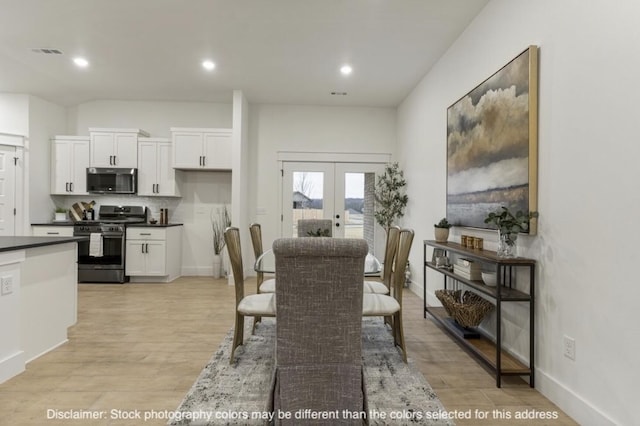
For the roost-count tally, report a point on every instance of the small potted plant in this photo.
(441, 230)
(60, 214)
(509, 226)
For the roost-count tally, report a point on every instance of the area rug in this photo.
(224, 394)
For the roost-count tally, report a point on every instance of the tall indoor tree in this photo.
(390, 196)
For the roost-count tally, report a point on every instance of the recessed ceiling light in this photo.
(208, 65)
(81, 62)
(346, 70)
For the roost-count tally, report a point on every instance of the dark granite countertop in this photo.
(21, 243)
(153, 225)
(141, 225)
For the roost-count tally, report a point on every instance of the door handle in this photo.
(114, 160)
(337, 216)
(71, 186)
(66, 187)
(337, 225)
(204, 160)
(146, 248)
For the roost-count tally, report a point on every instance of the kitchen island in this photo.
(38, 297)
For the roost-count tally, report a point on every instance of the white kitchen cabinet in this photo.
(51, 231)
(153, 253)
(69, 162)
(156, 175)
(115, 147)
(202, 149)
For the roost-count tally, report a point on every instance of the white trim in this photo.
(574, 405)
(333, 157)
(11, 366)
(140, 132)
(12, 139)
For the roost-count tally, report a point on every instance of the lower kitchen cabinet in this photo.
(153, 253)
(51, 231)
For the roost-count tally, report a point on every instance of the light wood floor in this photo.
(141, 347)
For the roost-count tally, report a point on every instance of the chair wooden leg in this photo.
(399, 334)
(238, 335)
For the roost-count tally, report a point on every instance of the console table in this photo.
(485, 349)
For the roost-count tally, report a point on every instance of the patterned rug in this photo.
(224, 394)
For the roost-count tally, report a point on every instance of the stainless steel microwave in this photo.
(109, 180)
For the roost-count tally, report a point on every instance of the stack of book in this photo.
(467, 269)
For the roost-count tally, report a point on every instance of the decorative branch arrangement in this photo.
(219, 223)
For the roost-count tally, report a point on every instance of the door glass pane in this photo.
(308, 193)
(358, 206)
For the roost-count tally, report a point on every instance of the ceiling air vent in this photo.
(47, 51)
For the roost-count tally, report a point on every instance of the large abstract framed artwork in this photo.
(492, 145)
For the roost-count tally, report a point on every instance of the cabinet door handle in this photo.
(204, 161)
(53, 233)
(66, 187)
(146, 247)
(115, 161)
(71, 186)
(157, 188)
(145, 233)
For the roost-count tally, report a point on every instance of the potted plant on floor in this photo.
(509, 226)
(441, 230)
(390, 196)
(219, 222)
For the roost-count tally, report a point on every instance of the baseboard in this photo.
(12, 366)
(57, 345)
(574, 405)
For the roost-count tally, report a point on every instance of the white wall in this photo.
(274, 128)
(201, 191)
(45, 120)
(154, 117)
(588, 185)
(14, 114)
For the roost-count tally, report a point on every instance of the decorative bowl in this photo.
(153, 221)
(489, 278)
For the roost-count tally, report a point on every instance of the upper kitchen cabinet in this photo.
(156, 175)
(69, 162)
(115, 147)
(202, 149)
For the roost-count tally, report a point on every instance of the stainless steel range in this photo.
(102, 258)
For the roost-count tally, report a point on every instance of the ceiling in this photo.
(275, 51)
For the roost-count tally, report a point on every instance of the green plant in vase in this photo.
(509, 226)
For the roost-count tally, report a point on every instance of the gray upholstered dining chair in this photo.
(254, 305)
(319, 329)
(374, 305)
(391, 247)
(262, 285)
(313, 227)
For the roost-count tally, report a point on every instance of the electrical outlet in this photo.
(7, 285)
(569, 347)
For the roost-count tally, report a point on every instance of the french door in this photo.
(342, 192)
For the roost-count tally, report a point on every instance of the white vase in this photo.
(217, 265)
